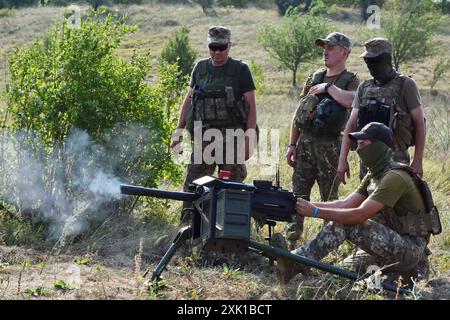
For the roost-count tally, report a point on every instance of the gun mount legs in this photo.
(273, 252)
(184, 234)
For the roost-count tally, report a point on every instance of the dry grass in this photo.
(123, 246)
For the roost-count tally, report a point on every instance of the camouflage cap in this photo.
(375, 131)
(335, 38)
(376, 47)
(218, 34)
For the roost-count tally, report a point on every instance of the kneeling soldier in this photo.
(390, 216)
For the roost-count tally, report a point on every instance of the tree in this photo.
(178, 50)
(365, 5)
(410, 26)
(292, 43)
(440, 69)
(207, 6)
(95, 4)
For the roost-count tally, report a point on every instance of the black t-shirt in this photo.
(242, 83)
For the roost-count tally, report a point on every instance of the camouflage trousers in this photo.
(317, 160)
(195, 171)
(381, 245)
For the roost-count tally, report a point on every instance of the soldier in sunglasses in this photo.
(221, 96)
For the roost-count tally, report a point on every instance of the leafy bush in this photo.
(257, 71)
(178, 50)
(318, 8)
(441, 67)
(79, 112)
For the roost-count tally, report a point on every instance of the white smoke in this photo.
(63, 186)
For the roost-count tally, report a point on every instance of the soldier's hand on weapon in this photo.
(176, 139)
(417, 167)
(318, 89)
(291, 155)
(343, 170)
(250, 139)
(174, 143)
(304, 208)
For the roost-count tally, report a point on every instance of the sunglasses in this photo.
(217, 47)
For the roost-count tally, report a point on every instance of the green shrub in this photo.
(257, 71)
(78, 109)
(178, 50)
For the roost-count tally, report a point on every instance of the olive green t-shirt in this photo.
(396, 190)
(410, 95)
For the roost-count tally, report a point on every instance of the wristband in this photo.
(329, 84)
(316, 212)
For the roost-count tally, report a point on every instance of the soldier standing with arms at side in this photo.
(315, 136)
(221, 96)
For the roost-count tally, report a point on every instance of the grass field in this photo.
(113, 261)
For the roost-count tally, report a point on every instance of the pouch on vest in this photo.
(305, 110)
(403, 135)
(423, 223)
(374, 111)
(330, 117)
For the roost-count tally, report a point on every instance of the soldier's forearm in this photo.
(251, 121)
(417, 117)
(295, 133)
(343, 97)
(184, 108)
(420, 144)
(329, 204)
(346, 142)
(250, 98)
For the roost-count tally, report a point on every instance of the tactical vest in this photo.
(421, 223)
(385, 104)
(214, 101)
(306, 111)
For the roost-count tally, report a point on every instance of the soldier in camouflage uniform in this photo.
(387, 216)
(389, 98)
(221, 96)
(315, 136)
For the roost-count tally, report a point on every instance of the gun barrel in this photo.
(156, 193)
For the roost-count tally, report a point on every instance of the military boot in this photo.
(286, 269)
(423, 267)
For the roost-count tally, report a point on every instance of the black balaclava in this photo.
(381, 68)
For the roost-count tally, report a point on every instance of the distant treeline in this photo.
(25, 3)
(304, 5)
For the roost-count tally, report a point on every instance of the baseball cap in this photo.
(376, 47)
(374, 131)
(218, 34)
(335, 38)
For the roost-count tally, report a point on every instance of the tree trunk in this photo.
(294, 77)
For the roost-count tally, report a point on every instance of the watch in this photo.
(329, 84)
